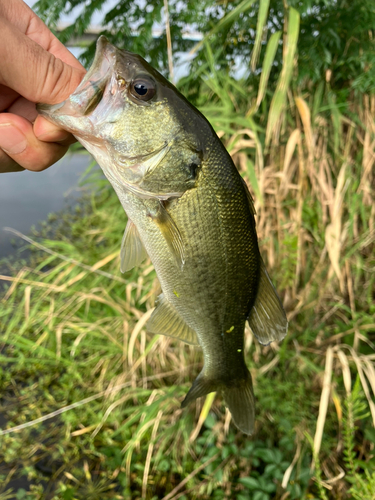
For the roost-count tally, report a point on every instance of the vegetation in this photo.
(337, 37)
(76, 356)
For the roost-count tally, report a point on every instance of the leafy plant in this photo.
(363, 484)
(337, 43)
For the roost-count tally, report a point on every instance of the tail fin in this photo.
(240, 401)
(238, 396)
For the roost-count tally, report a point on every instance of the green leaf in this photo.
(249, 482)
(267, 65)
(164, 465)
(261, 21)
(68, 494)
(209, 420)
(267, 456)
(260, 495)
(253, 180)
(21, 493)
(279, 98)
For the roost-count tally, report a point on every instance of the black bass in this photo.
(189, 210)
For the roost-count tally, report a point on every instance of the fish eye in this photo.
(143, 89)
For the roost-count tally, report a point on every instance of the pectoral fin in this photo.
(171, 234)
(267, 318)
(132, 251)
(165, 320)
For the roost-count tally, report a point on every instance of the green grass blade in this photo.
(336, 122)
(261, 21)
(279, 98)
(266, 69)
(253, 180)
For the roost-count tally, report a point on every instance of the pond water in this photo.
(27, 198)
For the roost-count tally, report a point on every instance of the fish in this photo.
(189, 210)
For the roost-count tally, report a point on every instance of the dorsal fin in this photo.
(132, 251)
(165, 320)
(267, 317)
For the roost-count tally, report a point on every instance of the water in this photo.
(27, 198)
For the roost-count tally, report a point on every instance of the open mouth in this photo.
(90, 91)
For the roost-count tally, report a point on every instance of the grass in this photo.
(97, 399)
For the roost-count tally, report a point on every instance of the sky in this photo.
(97, 18)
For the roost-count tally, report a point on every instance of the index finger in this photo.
(33, 72)
(25, 20)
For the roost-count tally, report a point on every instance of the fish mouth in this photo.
(89, 92)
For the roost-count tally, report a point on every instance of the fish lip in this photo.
(105, 51)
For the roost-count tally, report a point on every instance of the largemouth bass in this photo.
(189, 210)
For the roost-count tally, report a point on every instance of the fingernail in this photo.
(12, 140)
(57, 136)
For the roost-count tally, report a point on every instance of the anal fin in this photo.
(202, 386)
(132, 251)
(165, 320)
(267, 317)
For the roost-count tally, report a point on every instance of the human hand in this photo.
(35, 67)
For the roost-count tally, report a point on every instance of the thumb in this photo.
(33, 72)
